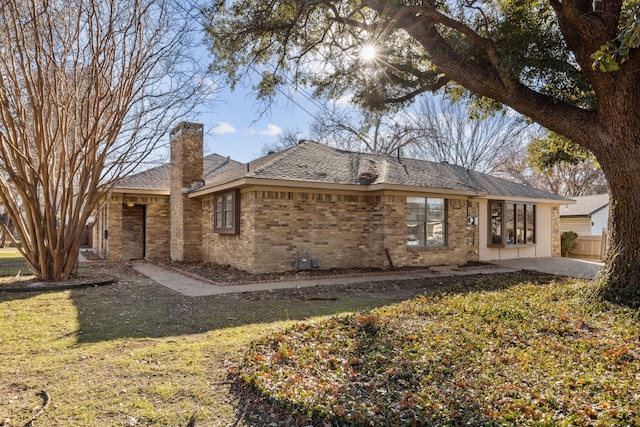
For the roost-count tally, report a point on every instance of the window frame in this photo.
(226, 212)
(445, 215)
(518, 213)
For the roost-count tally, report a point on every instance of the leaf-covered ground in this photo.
(527, 354)
(135, 353)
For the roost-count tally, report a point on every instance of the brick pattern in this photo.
(342, 230)
(186, 170)
(555, 232)
(133, 228)
(124, 224)
(228, 249)
(114, 228)
(458, 247)
(158, 226)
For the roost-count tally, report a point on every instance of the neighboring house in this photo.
(589, 218)
(316, 206)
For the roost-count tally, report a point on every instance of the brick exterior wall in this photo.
(342, 230)
(133, 230)
(148, 219)
(186, 171)
(113, 244)
(555, 236)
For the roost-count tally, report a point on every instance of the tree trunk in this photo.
(619, 155)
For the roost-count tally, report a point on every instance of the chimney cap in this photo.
(187, 128)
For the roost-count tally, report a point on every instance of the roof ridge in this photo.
(276, 157)
(445, 178)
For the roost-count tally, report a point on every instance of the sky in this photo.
(236, 126)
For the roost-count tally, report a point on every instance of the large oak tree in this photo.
(535, 56)
(88, 88)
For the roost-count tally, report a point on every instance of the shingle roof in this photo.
(157, 179)
(313, 162)
(585, 205)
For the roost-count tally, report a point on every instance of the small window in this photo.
(426, 221)
(227, 212)
(530, 221)
(511, 223)
(495, 213)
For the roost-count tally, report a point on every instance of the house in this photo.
(317, 206)
(589, 218)
(135, 221)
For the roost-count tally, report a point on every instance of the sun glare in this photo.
(368, 52)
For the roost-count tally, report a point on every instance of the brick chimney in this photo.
(186, 173)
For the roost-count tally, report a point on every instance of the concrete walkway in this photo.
(571, 267)
(195, 288)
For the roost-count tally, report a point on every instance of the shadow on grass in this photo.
(141, 308)
(257, 409)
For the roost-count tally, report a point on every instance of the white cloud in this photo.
(224, 128)
(271, 130)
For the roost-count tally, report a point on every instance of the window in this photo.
(495, 213)
(426, 221)
(226, 213)
(511, 223)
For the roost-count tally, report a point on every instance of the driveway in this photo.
(571, 267)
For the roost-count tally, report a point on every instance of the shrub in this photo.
(568, 241)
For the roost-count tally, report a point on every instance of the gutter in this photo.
(314, 185)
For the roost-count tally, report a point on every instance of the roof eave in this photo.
(315, 185)
(527, 199)
(141, 191)
(599, 209)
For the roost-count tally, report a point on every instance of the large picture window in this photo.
(226, 213)
(511, 223)
(426, 221)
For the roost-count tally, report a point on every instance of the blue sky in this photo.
(235, 126)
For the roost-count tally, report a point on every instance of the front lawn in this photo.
(502, 349)
(529, 354)
(12, 263)
(138, 354)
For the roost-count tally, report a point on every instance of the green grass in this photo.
(136, 350)
(501, 350)
(524, 354)
(12, 263)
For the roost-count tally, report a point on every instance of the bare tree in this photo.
(449, 134)
(289, 138)
(87, 88)
(356, 128)
(437, 129)
(566, 179)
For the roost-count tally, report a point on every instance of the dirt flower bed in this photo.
(225, 274)
(86, 275)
